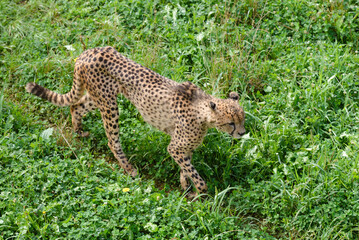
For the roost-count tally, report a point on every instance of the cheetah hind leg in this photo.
(78, 110)
(110, 115)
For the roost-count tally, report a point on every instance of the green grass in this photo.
(293, 176)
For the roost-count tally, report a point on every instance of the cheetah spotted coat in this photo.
(181, 110)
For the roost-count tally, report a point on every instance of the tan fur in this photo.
(181, 110)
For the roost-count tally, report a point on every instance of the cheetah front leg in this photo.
(183, 155)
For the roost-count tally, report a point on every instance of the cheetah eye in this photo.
(231, 124)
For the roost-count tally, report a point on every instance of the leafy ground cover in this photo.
(293, 176)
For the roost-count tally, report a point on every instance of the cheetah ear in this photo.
(213, 105)
(233, 95)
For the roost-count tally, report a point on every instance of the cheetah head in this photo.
(227, 116)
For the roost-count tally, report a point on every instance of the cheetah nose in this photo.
(239, 134)
(242, 133)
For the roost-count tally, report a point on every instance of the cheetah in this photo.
(181, 110)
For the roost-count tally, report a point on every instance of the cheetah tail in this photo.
(61, 100)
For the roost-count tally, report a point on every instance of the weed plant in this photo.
(294, 175)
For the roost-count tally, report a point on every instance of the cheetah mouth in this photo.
(237, 135)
